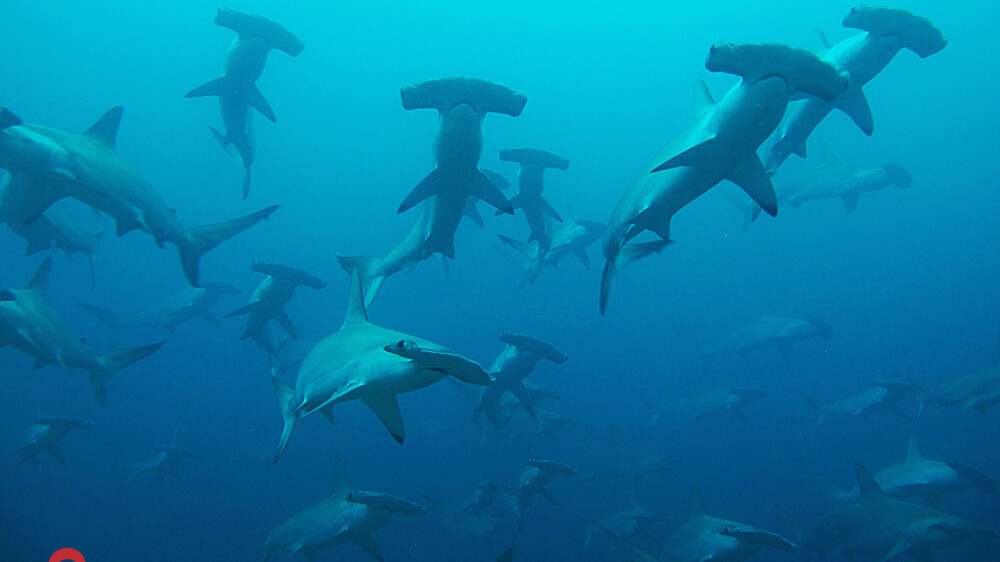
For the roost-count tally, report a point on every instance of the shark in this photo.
(519, 357)
(268, 301)
(717, 402)
(530, 182)
(885, 31)
(883, 527)
(183, 305)
(237, 88)
(569, 238)
(632, 522)
(771, 331)
(979, 391)
(536, 476)
(46, 433)
(919, 478)
(58, 164)
(720, 144)
(363, 361)
(345, 516)
(462, 103)
(166, 462)
(881, 396)
(704, 537)
(31, 325)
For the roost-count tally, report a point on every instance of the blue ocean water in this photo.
(907, 282)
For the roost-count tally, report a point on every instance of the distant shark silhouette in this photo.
(366, 362)
(237, 89)
(181, 306)
(863, 56)
(45, 435)
(530, 183)
(85, 167)
(720, 144)
(30, 324)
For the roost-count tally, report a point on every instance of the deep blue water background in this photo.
(908, 282)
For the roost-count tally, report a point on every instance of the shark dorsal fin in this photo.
(913, 451)
(356, 313)
(868, 486)
(106, 129)
(822, 43)
(697, 504)
(40, 281)
(703, 99)
(341, 485)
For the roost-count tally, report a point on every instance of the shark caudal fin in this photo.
(916, 33)
(369, 269)
(288, 414)
(203, 238)
(627, 254)
(112, 362)
(241, 152)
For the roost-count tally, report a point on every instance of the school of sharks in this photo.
(64, 191)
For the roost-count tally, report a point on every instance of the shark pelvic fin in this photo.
(752, 178)
(258, 102)
(386, 408)
(854, 104)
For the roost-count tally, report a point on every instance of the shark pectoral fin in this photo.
(246, 309)
(850, 199)
(209, 319)
(55, 453)
(258, 102)
(548, 209)
(433, 183)
(41, 362)
(980, 480)
(327, 412)
(386, 408)
(898, 549)
(106, 129)
(758, 536)
(288, 414)
(281, 317)
(472, 213)
(309, 552)
(791, 145)
(752, 178)
(581, 254)
(517, 389)
(483, 188)
(697, 155)
(8, 119)
(214, 88)
(35, 201)
(6, 296)
(854, 104)
(367, 542)
(627, 254)
(632, 552)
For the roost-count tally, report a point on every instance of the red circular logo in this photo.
(64, 554)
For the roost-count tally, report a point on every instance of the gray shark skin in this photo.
(345, 516)
(57, 164)
(29, 324)
(770, 331)
(632, 522)
(46, 433)
(268, 301)
(720, 144)
(518, 358)
(885, 32)
(718, 402)
(926, 480)
(53, 229)
(183, 305)
(530, 183)
(166, 462)
(462, 103)
(881, 396)
(536, 476)
(237, 89)
(705, 538)
(886, 528)
(366, 362)
(568, 238)
(978, 391)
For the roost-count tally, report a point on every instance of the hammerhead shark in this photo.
(885, 32)
(366, 362)
(883, 527)
(718, 402)
(536, 476)
(345, 516)
(704, 538)
(519, 357)
(237, 89)
(979, 391)
(179, 307)
(881, 396)
(85, 167)
(770, 331)
(46, 433)
(30, 324)
(530, 183)
(720, 144)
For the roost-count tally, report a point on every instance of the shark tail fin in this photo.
(288, 414)
(201, 239)
(236, 152)
(112, 362)
(627, 254)
(369, 268)
(109, 318)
